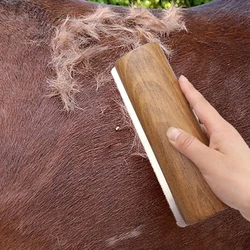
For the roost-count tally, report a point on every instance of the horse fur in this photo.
(68, 180)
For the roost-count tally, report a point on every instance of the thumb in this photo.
(191, 147)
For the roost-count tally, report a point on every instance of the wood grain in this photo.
(159, 104)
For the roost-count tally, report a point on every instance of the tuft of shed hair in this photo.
(88, 46)
(85, 49)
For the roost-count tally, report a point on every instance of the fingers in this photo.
(245, 215)
(206, 113)
(192, 148)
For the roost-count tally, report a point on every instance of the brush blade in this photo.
(148, 149)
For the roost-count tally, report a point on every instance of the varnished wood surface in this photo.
(159, 104)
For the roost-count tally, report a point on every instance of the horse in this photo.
(73, 174)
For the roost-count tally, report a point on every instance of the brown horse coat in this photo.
(76, 180)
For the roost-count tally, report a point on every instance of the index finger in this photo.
(206, 113)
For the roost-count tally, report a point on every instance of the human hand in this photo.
(225, 163)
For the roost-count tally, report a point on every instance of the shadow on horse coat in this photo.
(71, 180)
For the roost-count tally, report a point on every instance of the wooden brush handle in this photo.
(159, 104)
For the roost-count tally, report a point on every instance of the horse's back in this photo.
(77, 180)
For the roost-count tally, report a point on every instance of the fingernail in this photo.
(173, 133)
(183, 77)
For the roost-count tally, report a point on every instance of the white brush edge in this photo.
(148, 149)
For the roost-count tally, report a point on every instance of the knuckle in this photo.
(186, 141)
(199, 98)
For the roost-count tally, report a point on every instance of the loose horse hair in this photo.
(103, 34)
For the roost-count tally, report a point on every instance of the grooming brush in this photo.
(155, 102)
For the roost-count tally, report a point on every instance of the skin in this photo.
(225, 163)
